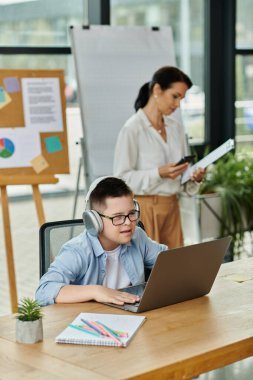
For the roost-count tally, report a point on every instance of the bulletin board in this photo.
(33, 131)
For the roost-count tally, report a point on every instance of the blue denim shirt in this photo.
(82, 261)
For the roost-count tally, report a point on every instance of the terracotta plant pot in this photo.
(29, 331)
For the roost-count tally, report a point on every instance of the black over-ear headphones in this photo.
(91, 218)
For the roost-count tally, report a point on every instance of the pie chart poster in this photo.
(7, 148)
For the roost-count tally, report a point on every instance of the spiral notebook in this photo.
(101, 329)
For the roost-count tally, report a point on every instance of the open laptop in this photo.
(179, 275)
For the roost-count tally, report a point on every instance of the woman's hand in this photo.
(198, 175)
(103, 294)
(172, 171)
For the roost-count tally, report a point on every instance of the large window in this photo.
(44, 24)
(38, 22)
(244, 75)
(30, 28)
(186, 17)
(244, 24)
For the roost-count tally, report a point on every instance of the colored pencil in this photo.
(92, 326)
(84, 330)
(111, 335)
(121, 334)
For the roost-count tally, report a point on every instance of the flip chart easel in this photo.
(112, 63)
(17, 129)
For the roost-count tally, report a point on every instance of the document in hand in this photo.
(101, 329)
(209, 159)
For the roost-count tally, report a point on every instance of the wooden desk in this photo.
(176, 342)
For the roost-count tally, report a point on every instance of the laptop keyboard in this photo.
(137, 303)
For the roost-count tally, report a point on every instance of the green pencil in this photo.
(84, 330)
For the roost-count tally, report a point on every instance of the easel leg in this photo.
(9, 249)
(38, 204)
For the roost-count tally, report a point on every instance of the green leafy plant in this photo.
(29, 310)
(232, 178)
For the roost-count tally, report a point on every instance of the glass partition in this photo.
(244, 76)
(244, 24)
(38, 22)
(244, 103)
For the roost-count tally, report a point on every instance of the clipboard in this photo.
(209, 159)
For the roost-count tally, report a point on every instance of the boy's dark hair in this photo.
(109, 187)
(165, 77)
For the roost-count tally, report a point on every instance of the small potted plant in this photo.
(29, 321)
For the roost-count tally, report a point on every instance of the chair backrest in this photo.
(53, 235)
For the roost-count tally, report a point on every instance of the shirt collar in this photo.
(167, 119)
(144, 118)
(96, 245)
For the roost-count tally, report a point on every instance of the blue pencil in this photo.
(92, 326)
(85, 331)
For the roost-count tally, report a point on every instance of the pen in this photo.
(83, 330)
(92, 326)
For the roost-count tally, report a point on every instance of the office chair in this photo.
(53, 235)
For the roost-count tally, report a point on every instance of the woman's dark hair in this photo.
(165, 77)
(112, 187)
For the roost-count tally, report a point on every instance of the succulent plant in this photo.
(29, 310)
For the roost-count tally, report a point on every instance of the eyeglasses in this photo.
(120, 219)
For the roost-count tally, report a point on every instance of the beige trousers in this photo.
(161, 218)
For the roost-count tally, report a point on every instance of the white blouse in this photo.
(140, 151)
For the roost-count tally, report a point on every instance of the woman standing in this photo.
(147, 150)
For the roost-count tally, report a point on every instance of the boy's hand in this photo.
(102, 294)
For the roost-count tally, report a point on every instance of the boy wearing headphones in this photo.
(110, 254)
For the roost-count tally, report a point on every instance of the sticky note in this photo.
(53, 144)
(2, 95)
(4, 98)
(11, 84)
(39, 164)
(239, 277)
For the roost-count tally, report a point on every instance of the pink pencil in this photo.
(107, 333)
